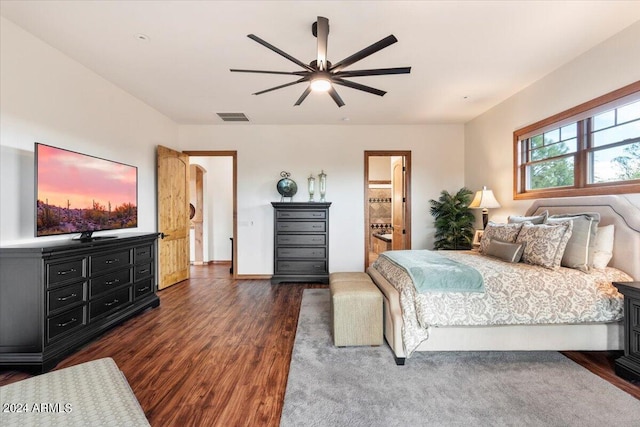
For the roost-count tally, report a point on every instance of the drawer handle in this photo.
(316, 226)
(67, 297)
(143, 253)
(113, 282)
(64, 272)
(62, 325)
(111, 261)
(316, 240)
(317, 267)
(146, 270)
(146, 288)
(284, 226)
(317, 214)
(109, 304)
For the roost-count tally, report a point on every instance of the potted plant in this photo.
(453, 220)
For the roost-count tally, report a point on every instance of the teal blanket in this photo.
(432, 272)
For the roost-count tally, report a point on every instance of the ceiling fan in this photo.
(321, 74)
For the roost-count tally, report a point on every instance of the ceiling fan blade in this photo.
(306, 93)
(374, 72)
(322, 31)
(293, 73)
(358, 86)
(280, 52)
(281, 86)
(335, 96)
(387, 41)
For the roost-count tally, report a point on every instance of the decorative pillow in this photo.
(579, 251)
(603, 246)
(511, 252)
(545, 243)
(505, 232)
(536, 219)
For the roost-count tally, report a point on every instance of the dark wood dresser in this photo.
(56, 296)
(628, 366)
(301, 242)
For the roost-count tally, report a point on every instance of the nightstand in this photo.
(628, 366)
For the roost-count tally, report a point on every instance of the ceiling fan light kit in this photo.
(321, 74)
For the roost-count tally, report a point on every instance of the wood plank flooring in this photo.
(217, 352)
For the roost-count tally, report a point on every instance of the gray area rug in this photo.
(362, 386)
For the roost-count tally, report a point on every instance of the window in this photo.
(593, 148)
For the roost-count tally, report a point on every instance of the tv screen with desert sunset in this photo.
(78, 193)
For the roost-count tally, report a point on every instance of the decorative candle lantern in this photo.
(322, 178)
(312, 187)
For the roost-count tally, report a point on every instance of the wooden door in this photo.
(398, 203)
(173, 216)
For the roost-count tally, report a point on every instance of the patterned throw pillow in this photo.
(504, 232)
(545, 243)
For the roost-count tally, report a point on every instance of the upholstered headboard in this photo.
(616, 210)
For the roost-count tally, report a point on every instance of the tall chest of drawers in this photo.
(301, 242)
(56, 296)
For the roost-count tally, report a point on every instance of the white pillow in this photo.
(603, 247)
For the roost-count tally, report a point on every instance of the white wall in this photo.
(489, 138)
(265, 151)
(49, 98)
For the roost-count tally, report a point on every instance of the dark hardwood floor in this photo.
(217, 352)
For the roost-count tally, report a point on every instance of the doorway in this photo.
(387, 178)
(214, 199)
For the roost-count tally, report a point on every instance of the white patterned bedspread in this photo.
(515, 294)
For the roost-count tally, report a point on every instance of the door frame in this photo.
(234, 159)
(407, 190)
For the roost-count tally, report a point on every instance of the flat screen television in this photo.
(79, 193)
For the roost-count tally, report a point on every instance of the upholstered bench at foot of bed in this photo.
(356, 310)
(93, 394)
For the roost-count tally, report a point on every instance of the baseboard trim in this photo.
(252, 277)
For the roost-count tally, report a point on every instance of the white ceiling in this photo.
(466, 56)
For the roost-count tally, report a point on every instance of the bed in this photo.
(600, 333)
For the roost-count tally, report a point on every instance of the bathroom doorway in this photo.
(387, 195)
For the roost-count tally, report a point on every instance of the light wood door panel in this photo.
(397, 208)
(173, 216)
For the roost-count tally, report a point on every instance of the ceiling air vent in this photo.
(233, 117)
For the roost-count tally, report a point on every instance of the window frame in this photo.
(580, 114)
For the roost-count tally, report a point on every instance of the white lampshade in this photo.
(484, 199)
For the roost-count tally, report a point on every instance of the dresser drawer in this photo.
(309, 267)
(106, 282)
(65, 322)
(301, 253)
(290, 226)
(110, 261)
(110, 302)
(301, 239)
(142, 254)
(634, 314)
(142, 271)
(142, 288)
(301, 214)
(59, 298)
(65, 271)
